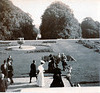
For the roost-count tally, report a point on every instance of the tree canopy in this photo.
(14, 22)
(58, 22)
(90, 28)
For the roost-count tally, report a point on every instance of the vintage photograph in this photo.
(50, 46)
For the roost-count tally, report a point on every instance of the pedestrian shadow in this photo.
(18, 88)
(18, 83)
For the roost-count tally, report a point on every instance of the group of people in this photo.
(39, 74)
(53, 67)
(6, 74)
(6, 71)
(54, 62)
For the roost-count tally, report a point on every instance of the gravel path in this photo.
(23, 83)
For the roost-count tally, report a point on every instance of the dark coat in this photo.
(51, 65)
(4, 71)
(9, 59)
(57, 71)
(57, 79)
(10, 71)
(33, 70)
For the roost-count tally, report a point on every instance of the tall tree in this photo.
(58, 22)
(90, 28)
(14, 22)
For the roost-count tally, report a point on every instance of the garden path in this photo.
(23, 83)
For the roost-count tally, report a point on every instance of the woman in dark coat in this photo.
(32, 70)
(57, 79)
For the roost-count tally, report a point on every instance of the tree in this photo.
(90, 28)
(14, 22)
(58, 22)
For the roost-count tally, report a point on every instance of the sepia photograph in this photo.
(50, 46)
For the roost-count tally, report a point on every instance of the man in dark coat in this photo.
(32, 70)
(9, 59)
(4, 69)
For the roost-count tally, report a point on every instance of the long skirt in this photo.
(40, 79)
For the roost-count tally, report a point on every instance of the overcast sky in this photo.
(81, 8)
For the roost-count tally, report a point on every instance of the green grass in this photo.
(85, 69)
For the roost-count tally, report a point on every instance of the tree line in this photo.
(58, 21)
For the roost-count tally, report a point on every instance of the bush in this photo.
(41, 50)
(49, 42)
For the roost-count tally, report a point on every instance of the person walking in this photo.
(10, 72)
(32, 70)
(4, 69)
(9, 59)
(63, 60)
(57, 79)
(40, 75)
(58, 59)
(51, 65)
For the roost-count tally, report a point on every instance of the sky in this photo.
(81, 8)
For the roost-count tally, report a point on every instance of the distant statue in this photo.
(20, 42)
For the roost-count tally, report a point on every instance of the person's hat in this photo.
(9, 55)
(50, 55)
(42, 61)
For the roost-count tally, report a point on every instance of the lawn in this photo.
(85, 69)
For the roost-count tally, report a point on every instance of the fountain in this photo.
(21, 41)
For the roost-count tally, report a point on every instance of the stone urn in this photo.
(20, 41)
